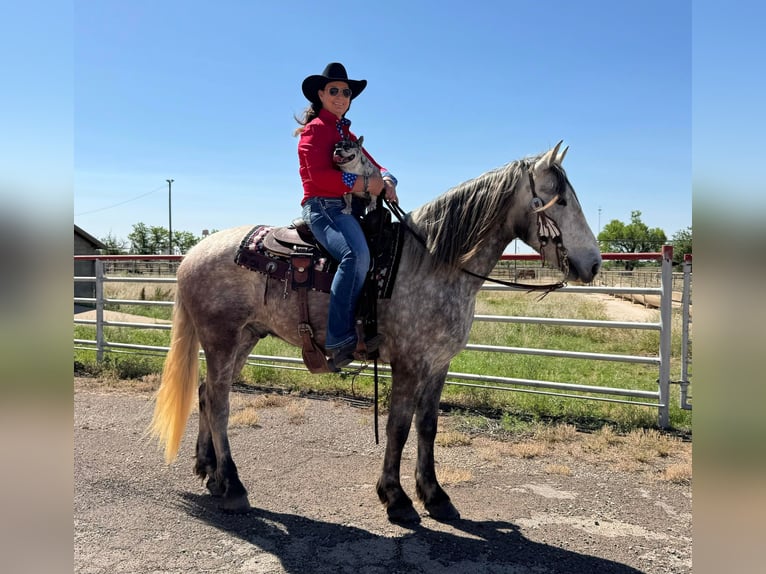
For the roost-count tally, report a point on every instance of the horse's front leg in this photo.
(435, 500)
(398, 504)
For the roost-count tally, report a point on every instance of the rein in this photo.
(546, 230)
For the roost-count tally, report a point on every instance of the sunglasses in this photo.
(334, 91)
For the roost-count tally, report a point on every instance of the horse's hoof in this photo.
(443, 511)
(214, 487)
(236, 505)
(405, 514)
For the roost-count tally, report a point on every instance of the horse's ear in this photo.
(360, 140)
(560, 159)
(549, 158)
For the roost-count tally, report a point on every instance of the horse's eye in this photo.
(562, 202)
(537, 203)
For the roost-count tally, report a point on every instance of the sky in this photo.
(206, 93)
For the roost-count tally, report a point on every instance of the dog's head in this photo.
(345, 152)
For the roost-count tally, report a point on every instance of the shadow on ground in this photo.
(304, 544)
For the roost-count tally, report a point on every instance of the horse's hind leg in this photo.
(435, 500)
(213, 456)
(205, 461)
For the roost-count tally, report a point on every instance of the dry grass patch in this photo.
(680, 473)
(491, 451)
(452, 438)
(527, 450)
(245, 408)
(560, 469)
(149, 382)
(146, 384)
(271, 401)
(628, 465)
(447, 475)
(648, 444)
(561, 433)
(296, 412)
(602, 440)
(245, 417)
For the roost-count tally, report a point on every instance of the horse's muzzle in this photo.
(584, 271)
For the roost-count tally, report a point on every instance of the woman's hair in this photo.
(308, 114)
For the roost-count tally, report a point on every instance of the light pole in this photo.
(170, 218)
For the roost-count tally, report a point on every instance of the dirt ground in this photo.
(310, 467)
(570, 504)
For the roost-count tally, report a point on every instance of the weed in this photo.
(527, 450)
(452, 438)
(246, 417)
(447, 475)
(561, 433)
(560, 469)
(296, 412)
(680, 473)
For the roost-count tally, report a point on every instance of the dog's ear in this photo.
(360, 140)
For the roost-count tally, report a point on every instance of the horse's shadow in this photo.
(307, 545)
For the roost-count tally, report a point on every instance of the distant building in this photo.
(85, 244)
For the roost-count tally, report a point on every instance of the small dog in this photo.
(350, 158)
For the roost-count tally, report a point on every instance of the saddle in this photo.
(293, 256)
(282, 241)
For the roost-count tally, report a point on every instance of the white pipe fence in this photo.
(659, 398)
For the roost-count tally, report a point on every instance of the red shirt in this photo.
(319, 174)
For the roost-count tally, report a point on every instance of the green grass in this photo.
(506, 409)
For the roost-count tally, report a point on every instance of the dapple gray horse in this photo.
(461, 235)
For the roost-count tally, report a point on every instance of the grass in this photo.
(491, 411)
(561, 449)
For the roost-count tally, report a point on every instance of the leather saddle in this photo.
(283, 241)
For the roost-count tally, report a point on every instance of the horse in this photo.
(452, 243)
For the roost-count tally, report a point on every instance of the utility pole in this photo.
(599, 219)
(170, 217)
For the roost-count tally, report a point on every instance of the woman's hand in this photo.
(390, 188)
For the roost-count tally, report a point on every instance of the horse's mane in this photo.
(457, 224)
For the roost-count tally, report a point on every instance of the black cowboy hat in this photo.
(333, 72)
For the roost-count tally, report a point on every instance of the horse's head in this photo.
(554, 224)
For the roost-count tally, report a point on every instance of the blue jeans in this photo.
(343, 238)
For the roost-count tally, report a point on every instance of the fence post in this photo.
(99, 310)
(666, 314)
(686, 315)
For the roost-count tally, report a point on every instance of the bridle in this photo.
(547, 230)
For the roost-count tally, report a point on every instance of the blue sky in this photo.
(205, 93)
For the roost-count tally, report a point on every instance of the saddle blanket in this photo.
(253, 255)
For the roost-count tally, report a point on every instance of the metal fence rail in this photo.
(659, 398)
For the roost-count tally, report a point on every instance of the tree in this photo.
(635, 237)
(159, 239)
(154, 240)
(113, 245)
(140, 242)
(184, 240)
(682, 244)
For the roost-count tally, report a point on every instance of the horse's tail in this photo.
(180, 379)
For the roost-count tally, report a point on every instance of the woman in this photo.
(323, 125)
